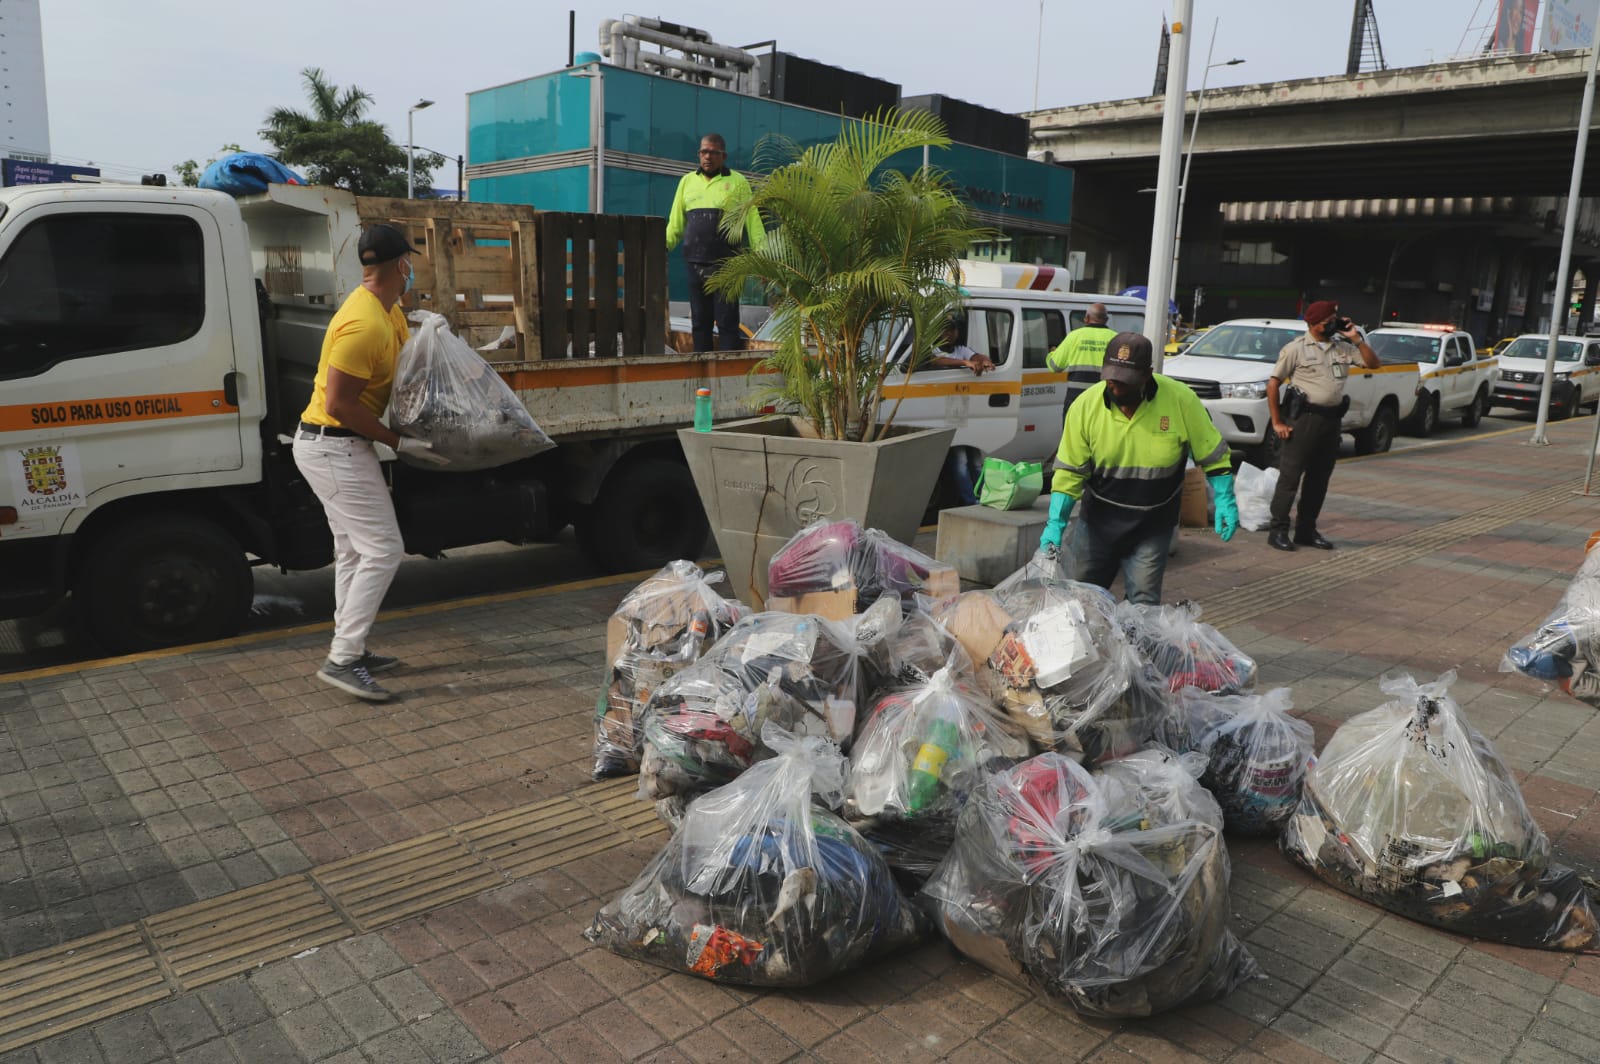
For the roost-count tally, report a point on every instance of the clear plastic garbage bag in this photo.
(445, 393)
(703, 727)
(1065, 880)
(660, 628)
(761, 885)
(842, 556)
(1256, 754)
(1065, 671)
(1185, 650)
(1411, 808)
(1252, 490)
(1565, 650)
(1166, 786)
(918, 754)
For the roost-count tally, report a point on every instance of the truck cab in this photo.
(1520, 374)
(1455, 376)
(1229, 368)
(1016, 314)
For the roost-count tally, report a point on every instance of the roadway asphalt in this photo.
(283, 599)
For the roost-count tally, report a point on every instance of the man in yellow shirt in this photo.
(1079, 356)
(696, 219)
(333, 448)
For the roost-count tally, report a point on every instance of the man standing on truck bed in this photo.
(333, 446)
(1319, 364)
(1123, 451)
(1079, 356)
(696, 219)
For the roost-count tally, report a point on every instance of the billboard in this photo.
(24, 172)
(1513, 26)
(1568, 24)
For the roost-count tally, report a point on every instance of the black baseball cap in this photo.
(382, 243)
(1128, 358)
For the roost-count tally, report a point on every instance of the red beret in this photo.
(1321, 310)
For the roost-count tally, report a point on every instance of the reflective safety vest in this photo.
(696, 216)
(1128, 472)
(1079, 356)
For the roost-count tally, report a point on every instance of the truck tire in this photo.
(1424, 421)
(1562, 406)
(648, 514)
(1476, 410)
(161, 581)
(1377, 437)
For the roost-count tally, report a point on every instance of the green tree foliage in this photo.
(189, 171)
(335, 144)
(861, 252)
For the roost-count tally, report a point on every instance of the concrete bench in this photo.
(986, 545)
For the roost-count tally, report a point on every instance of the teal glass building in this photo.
(537, 141)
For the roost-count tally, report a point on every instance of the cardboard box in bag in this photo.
(1194, 509)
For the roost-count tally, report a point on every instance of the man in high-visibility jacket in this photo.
(1079, 356)
(696, 219)
(1123, 452)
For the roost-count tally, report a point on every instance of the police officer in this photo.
(1317, 364)
(1123, 452)
(1080, 354)
(696, 219)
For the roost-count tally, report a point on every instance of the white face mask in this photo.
(411, 277)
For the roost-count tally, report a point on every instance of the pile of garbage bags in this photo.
(445, 393)
(1100, 893)
(1565, 650)
(659, 629)
(1186, 651)
(1411, 808)
(763, 885)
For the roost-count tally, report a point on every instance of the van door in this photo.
(983, 410)
(116, 345)
(1039, 417)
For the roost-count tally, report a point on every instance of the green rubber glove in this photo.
(1060, 509)
(1227, 522)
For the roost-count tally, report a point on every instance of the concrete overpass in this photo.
(1433, 191)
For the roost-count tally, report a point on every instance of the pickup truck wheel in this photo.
(647, 515)
(163, 581)
(1425, 422)
(1561, 406)
(1476, 410)
(1377, 437)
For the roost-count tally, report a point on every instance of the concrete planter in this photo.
(763, 480)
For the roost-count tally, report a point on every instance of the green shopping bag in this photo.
(1010, 485)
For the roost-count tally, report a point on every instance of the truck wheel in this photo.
(647, 515)
(1425, 421)
(1561, 408)
(1377, 437)
(161, 582)
(1476, 410)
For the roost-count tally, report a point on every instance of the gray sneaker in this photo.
(376, 662)
(353, 678)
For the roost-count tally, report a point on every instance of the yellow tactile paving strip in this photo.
(67, 986)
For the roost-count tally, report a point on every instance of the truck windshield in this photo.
(1399, 348)
(1252, 343)
(1534, 347)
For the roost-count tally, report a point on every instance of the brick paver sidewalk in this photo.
(222, 791)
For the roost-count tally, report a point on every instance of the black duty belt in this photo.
(311, 432)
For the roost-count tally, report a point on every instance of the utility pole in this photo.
(1162, 232)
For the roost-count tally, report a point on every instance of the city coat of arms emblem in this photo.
(44, 470)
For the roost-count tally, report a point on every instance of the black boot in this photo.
(1279, 541)
(1312, 539)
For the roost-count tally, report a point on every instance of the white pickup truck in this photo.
(1229, 367)
(1456, 379)
(1521, 374)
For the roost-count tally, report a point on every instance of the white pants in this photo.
(345, 473)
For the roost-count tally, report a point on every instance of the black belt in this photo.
(1329, 411)
(311, 432)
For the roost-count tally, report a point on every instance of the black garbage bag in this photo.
(762, 885)
(1410, 808)
(1073, 884)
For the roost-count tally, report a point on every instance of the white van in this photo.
(1016, 315)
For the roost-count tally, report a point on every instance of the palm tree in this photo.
(860, 251)
(328, 104)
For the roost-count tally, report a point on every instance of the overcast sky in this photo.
(138, 85)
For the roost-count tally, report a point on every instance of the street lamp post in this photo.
(411, 162)
(1188, 156)
(1161, 230)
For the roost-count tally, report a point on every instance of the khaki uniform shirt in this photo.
(1317, 369)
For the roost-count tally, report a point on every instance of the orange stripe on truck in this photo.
(24, 416)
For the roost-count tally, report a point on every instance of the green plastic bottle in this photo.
(922, 782)
(702, 410)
